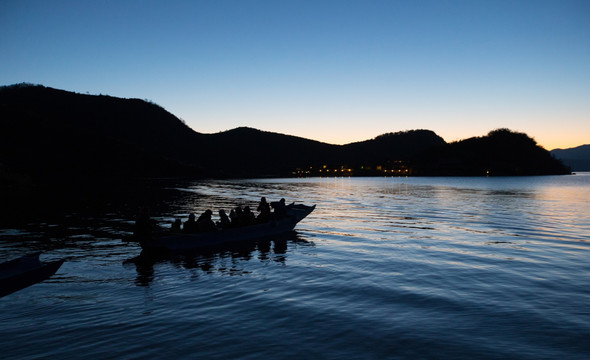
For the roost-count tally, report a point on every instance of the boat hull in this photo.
(170, 241)
(25, 271)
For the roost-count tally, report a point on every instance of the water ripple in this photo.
(486, 268)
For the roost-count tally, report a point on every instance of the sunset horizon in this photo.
(327, 139)
(332, 71)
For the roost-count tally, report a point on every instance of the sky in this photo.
(334, 71)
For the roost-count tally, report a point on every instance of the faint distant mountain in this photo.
(46, 132)
(577, 158)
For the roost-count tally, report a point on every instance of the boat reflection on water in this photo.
(226, 259)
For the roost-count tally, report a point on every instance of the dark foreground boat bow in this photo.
(25, 271)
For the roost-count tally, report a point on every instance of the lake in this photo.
(384, 268)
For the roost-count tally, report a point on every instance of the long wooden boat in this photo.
(25, 271)
(180, 241)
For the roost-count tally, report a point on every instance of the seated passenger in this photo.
(239, 219)
(280, 208)
(264, 209)
(224, 221)
(233, 217)
(176, 226)
(190, 226)
(248, 216)
(143, 224)
(205, 223)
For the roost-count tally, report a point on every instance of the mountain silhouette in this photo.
(52, 131)
(501, 152)
(45, 132)
(578, 158)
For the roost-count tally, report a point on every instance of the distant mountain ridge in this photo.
(45, 131)
(578, 158)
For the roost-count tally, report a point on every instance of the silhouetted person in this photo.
(248, 216)
(176, 226)
(190, 226)
(280, 208)
(143, 224)
(224, 221)
(264, 209)
(233, 218)
(239, 219)
(205, 223)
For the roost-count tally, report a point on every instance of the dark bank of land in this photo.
(49, 137)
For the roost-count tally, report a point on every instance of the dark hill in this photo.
(250, 152)
(46, 132)
(577, 158)
(391, 147)
(47, 118)
(501, 153)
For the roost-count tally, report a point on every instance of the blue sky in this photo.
(334, 71)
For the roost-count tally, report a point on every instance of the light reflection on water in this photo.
(383, 268)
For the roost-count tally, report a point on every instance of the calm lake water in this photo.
(384, 268)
